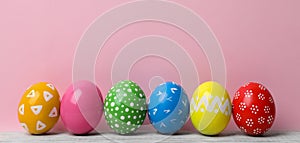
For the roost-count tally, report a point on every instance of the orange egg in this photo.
(38, 110)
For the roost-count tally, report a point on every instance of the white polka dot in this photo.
(129, 90)
(141, 95)
(118, 90)
(117, 125)
(124, 94)
(128, 116)
(134, 117)
(110, 115)
(131, 104)
(135, 89)
(112, 104)
(126, 110)
(117, 108)
(122, 106)
(140, 116)
(132, 111)
(132, 129)
(122, 117)
(126, 85)
(115, 97)
(106, 104)
(128, 123)
(111, 109)
(116, 114)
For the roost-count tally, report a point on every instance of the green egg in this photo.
(125, 107)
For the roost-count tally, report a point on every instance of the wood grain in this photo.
(148, 137)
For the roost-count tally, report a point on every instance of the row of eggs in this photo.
(125, 108)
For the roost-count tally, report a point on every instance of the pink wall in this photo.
(260, 41)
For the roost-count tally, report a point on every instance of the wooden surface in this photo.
(147, 137)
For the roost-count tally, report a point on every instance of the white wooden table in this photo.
(148, 137)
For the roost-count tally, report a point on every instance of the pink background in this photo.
(260, 41)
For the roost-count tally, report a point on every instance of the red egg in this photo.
(253, 109)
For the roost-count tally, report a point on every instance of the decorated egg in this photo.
(168, 108)
(38, 110)
(81, 107)
(210, 108)
(125, 107)
(253, 109)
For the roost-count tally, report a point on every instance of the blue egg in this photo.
(168, 108)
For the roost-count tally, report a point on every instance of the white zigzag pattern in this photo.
(211, 107)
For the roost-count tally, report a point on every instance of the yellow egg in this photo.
(38, 110)
(210, 108)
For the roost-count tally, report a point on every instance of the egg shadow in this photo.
(124, 135)
(273, 134)
(88, 134)
(44, 134)
(181, 133)
(223, 134)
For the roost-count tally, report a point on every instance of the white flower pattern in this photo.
(238, 117)
(270, 119)
(249, 122)
(243, 129)
(261, 87)
(248, 93)
(242, 106)
(261, 96)
(257, 131)
(254, 109)
(271, 100)
(245, 85)
(261, 120)
(237, 95)
(267, 109)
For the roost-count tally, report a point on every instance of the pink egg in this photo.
(81, 107)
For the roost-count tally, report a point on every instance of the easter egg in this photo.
(168, 108)
(253, 109)
(125, 107)
(210, 108)
(81, 107)
(38, 110)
